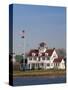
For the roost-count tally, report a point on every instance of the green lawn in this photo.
(39, 73)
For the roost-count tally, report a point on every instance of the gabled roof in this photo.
(36, 51)
(58, 60)
(33, 51)
(49, 51)
(43, 54)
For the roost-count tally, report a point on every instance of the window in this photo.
(36, 64)
(35, 58)
(29, 65)
(54, 56)
(48, 64)
(30, 58)
(51, 64)
(43, 58)
(42, 64)
(33, 66)
(57, 64)
(48, 58)
(39, 58)
(33, 54)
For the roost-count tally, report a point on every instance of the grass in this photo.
(39, 73)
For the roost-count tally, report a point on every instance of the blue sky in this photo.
(41, 24)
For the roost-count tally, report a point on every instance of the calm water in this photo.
(37, 80)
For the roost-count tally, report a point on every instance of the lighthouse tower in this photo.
(42, 47)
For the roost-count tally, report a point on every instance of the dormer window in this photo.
(46, 54)
(33, 54)
(40, 54)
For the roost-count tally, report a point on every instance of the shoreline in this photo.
(39, 76)
(39, 73)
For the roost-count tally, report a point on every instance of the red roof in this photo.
(59, 59)
(43, 54)
(33, 51)
(36, 51)
(49, 51)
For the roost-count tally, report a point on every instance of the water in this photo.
(21, 81)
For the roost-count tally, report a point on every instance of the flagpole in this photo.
(23, 36)
(24, 49)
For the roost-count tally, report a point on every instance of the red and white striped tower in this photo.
(23, 37)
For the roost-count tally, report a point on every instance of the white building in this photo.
(44, 58)
(59, 63)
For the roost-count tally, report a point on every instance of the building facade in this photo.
(44, 58)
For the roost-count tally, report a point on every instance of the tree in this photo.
(61, 52)
(18, 58)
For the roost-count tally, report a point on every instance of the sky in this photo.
(41, 24)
